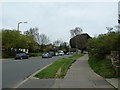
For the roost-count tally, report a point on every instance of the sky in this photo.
(56, 19)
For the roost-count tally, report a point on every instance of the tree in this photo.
(10, 38)
(109, 29)
(75, 31)
(34, 33)
(13, 41)
(104, 44)
(64, 47)
(57, 42)
(79, 41)
(44, 39)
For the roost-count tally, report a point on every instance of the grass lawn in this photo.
(102, 67)
(58, 69)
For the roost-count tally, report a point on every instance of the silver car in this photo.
(46, 55)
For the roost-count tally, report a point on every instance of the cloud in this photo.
(56, 19)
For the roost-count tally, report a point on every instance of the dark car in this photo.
(21, 56)
(46, 55)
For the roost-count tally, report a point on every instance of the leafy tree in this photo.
(79, 41)
(9, 41)
(75, 32)
(10, 38)
(12, 41)
(104, 44)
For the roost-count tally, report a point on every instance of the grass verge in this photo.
(103, 67)
(58, 69)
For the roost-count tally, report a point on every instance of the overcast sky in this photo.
(56, 19)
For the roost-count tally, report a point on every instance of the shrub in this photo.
(103, 44)
(34, 54)
(102, 67)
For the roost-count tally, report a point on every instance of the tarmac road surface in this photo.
(15, 71)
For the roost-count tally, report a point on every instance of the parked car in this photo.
(61, 52)
(21, 56)
(46, 55)
(68, 53)
(85, 52)
(56, 53)
(52, 53)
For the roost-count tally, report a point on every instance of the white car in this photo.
(56, 54)
(61, 52)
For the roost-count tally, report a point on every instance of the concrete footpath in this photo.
(115, 82)
(80, 75)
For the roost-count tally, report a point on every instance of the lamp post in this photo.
(19, 25)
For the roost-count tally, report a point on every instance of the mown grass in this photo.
(103, 67)
(63, 64)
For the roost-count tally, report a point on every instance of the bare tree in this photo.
(34, 32)
(75, 31)
(117, 28)
(57, 42)
(72, 32)
(44, 39)
(109, 29)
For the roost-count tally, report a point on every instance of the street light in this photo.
(19, 24)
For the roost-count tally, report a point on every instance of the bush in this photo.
(8, 53)
(34, 54)
(102, 67)
(103, 44)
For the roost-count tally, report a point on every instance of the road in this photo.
(15, 71)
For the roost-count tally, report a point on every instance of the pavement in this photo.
(80, 75)
(114, 82)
